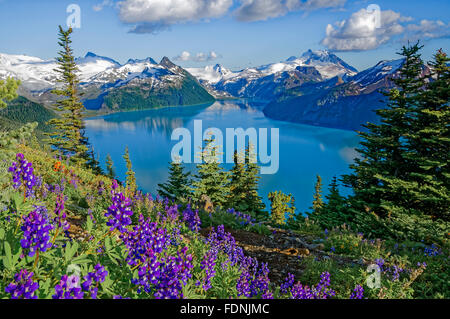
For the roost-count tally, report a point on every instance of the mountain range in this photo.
(316, 88)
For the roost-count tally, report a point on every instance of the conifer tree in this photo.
(178, 184)
(334, 211)
(255, 203)
(130, 182)
(428, 144)
(211, 180)
(379, 175)
(282, 207)
(244, 182)
(110, 172)
(68, 135)
(8, 91)
(318, 201)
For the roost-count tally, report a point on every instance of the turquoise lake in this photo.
(304, 151)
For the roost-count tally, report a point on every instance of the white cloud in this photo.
(255, 10)
(153, 13)
(199, 57)
(428, 29)
(361, 32)
(100, 6)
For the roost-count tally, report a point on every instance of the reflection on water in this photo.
(304, 150)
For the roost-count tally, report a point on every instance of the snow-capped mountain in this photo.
(310, 66)
(341, 102)
(104, 81)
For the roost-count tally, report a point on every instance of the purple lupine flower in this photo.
(225, 242)
(119, 212)
(358, 292)
(191, 218)
(208, 264)
(243, 219)
(60, 219)
(68, 288)
(144, 241)
(92, 279)
(287, 284)
(22, 174)
(35, 233)
(321, 291)
(23, 286)
(167, 276)
(254, 280)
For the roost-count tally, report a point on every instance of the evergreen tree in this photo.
(8, 91)
(318, 201)
(244, 182)
(110, 172)
(333, 212)
(68, 135)
(379, 175)
(178, 185)
(282, 207)
(130, 183)
(428, 144)
(211, 180)
(238, 187)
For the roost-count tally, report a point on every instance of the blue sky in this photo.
(240, 33)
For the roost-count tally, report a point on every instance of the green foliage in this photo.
(402, 176)
(211, 179)
(334, 211)
(67, 135)
(110, 172)
(130, 182)
(244, 184)
(8, 90)
(190, 92)
(178, 185)
(318, 201)
(282, 207)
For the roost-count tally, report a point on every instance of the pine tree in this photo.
(333, 212)
(130, 183)
(178, 184)
(379, 175)
(244, 182)
(238, 188)
(255, 203)
(110, 167)
(428, 144)
(282, 207)
(211, 180)
(68, 135)
(8, 91)
(318, 201)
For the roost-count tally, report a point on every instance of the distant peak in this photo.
(166, 62)
(91, 55)
(149, 59)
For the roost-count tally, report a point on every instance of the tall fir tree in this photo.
(110, 171)
(379, 173)
(244, 185)
(333, 212)
(318, 200)
(130, 183)
(211, 179)
(178, 184)
(68, 136)
(428, 144)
